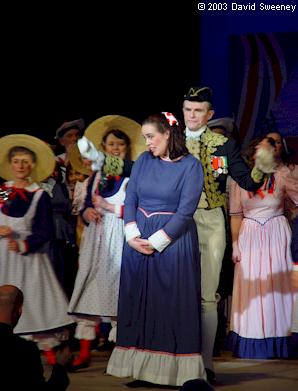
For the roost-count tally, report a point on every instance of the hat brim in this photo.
(64, 128)
(196, 99)
(76, 161)
(97, 129)
(225, 123)
(45, 163)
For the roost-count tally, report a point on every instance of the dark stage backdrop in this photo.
(249, 56)
(62, 62)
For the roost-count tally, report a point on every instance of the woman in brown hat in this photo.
(25, 226)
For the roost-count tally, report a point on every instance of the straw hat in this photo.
(76, 161)
(98, 128)
(45, 163)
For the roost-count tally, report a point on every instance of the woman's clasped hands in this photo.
(141, 245)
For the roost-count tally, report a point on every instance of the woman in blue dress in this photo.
(160, 272)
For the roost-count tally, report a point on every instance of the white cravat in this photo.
(194, 134)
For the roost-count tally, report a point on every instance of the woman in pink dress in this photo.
(262, 300)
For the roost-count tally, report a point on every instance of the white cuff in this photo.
(159, 240)
(131, 231)
(295, 268)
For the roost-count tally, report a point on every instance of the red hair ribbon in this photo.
(172, 120)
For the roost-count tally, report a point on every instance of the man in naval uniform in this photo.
(220, 157)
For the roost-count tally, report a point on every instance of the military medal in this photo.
(215, 165)
(219, 165)
(214, 161)
(225, 165)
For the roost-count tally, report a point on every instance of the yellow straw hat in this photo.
(76, 161)
(45, 163)
(98, 128)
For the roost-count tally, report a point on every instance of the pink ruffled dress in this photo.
(262, 300)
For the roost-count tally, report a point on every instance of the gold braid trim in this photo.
(193, 147)
(203, 150)
(113, 165)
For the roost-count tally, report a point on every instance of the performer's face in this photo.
(196, 114)
(69, 138)
(74, 176)
(115, 146)
(157, 142)
(22, 165)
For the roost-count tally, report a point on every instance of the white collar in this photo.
(195, 134)
(31, 187)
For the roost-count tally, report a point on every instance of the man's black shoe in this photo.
(211, 377)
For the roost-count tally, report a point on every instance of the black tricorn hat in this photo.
(199, 94)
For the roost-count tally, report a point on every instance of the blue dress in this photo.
(159, 311)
